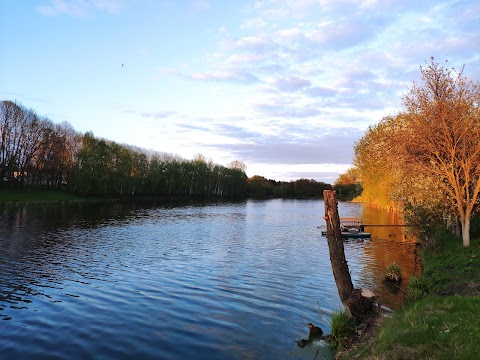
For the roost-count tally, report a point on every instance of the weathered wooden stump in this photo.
(358, 302)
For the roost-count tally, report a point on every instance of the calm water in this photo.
(199, 281)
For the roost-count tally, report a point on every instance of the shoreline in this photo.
(32, 196)
(439, 315)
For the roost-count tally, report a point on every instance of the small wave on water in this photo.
(218, 281)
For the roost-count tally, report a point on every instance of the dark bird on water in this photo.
(302, 343)
(315, 331)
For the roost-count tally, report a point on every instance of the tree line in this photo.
(35, 152)
(425, 160)
(260, 187)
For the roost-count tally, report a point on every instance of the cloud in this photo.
(318, 91)
(287, 172)
(78, 8)
(301, 68)
(237, 133)
(281, 10)
(238, 76)
(328, 150)
(57, 7)
(291, 84)
(151, 115)
(286, 111)
(199, 5)
(254, 23)
(158, 114)
(363, 102)
(359, 74)
(326, 176)
(189, 127)
(271, 69)
(278, 142)
(255, 44)
(341, 34)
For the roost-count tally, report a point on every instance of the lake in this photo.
(198, 280)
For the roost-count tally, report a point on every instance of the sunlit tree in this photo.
(376, 158)
(350, 177)
(348, 185)
(259, 186)
(443, 126)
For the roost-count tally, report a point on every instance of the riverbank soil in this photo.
(441, 315)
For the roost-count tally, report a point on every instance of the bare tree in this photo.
(11, 127)
(30, 140)
(237, 165)
(55, 159)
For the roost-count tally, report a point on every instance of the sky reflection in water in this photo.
(211, 280)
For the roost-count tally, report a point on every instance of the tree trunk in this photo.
(359, 303)
(458, 226)
(335, 247)
(466, 229)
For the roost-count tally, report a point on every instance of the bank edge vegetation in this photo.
(426, 158)
(37, 153)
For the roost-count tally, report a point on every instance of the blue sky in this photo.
(287, 86)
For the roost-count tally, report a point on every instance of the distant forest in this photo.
(37, 153)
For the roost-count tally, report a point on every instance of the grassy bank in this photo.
(33, 196)
(44, 196)
(441, 315)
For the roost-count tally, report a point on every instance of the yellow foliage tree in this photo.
(442, 141)
(375, 159)
(350, 177)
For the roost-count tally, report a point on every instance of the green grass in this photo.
(392, 272)
(36, 196)
(417, 289)
(342, 327)
(450, 268)
(433, 328)
(441, 316)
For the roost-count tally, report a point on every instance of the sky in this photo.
(285, 86)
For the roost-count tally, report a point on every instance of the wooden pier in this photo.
(381, 225)
(350, 222)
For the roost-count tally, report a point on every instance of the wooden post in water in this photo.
(335, 247)
(358, 302)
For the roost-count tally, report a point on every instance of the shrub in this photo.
(392, 272)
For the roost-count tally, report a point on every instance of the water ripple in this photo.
(218, 281)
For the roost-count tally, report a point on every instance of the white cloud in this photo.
(228, 76)
(73, 8)
(298, 67)
(255, 44)
(199, 5)
(79, 8)
(318, 91)
(158, 115)
(255, 23)
(291, 84)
